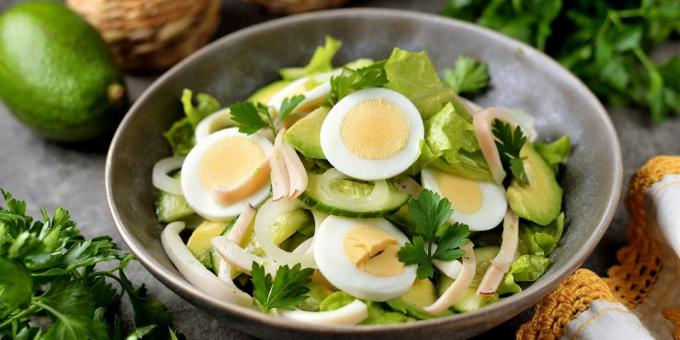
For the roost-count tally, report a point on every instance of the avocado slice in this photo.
(540, 201)
(265, 94)
(304, 135)
(421, 294)
(199, 241)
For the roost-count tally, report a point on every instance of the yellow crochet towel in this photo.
(646, 280)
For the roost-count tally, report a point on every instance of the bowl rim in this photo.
(534, 292)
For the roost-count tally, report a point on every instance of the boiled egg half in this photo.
(360, 257)
(372, 134)
(223, 160)
(481, 205)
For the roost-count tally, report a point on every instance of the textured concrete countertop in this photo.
(51, 175)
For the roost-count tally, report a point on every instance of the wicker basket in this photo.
(297, 6)
(151, 35)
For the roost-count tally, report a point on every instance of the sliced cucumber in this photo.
(171, 207)
(337, 194)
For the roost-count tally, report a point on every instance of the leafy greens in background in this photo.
(52, 288)
(604, 42)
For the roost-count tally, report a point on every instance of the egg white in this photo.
(312, 95)
(490, 213)
(352, 165)
(201, 200)
(338, 269)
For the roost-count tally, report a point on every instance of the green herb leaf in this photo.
(468, 76)
(509, 142)
(605, 43)
(429, 212)
(351, 80)
(449, 243)
(288, 289)
(414, 253)
(250, 117)
(288, 105)
(48, 268)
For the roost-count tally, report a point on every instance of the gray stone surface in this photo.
(51, 175)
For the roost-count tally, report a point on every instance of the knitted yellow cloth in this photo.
(630, 282)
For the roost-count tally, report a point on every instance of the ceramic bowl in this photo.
(235, 65)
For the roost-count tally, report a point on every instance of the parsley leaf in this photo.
(510, 142)
(288, 289)
(354, 80)
(468, 76)
(605, 43)
(288, 105)
(429, 214)
(47, 268)
(251, 117)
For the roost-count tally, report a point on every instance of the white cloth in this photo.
(605, 320)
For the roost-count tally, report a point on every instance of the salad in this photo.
(370, 193)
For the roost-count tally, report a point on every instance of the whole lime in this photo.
(57, 75)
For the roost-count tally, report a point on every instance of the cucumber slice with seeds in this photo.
(337, 194)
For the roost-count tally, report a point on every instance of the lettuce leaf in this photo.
(320, 62)
(508, 286)
(528, 268)
(205, 105)
(555, 153)
(413, 75)
(180, 136)
(540, 240)
(450, 136)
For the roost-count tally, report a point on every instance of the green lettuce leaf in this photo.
(528, 268)
(205, 105)
(413, 75)
(540, 240)
(450, 136)
(508, 286)
(320, 62)
(554, 153)
(180, 136)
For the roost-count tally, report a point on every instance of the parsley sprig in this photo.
(250, 117)
(47, 268)
(468, 76)
(287, 290)
(429, 214)
(351, 80)
(510, 142)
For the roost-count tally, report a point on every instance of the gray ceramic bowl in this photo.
(232, 67)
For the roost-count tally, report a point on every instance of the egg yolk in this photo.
(373, 250)
(374, 129)
(465, 195)
(229, 161)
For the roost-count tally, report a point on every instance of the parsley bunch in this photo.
(287, 290)
(604, 42)
(52, 288)
(510, 142)
(251, 117)
(429, 214)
